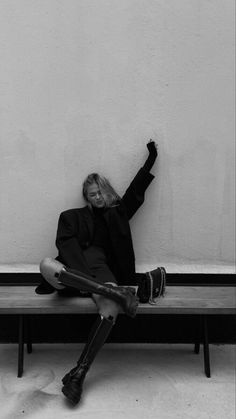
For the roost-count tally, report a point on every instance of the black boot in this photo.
(124, 296)
(73, 381)
(44, 287)
(90, 338)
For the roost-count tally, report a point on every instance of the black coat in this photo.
(76, 226)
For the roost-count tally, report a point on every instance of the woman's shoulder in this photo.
(118, 208)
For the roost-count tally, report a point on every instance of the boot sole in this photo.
(131, 310)
(66, 378)
(72, 397)
(131, 302)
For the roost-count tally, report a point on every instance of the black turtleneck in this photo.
(101, 235)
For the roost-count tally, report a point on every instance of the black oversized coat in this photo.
(76, 226)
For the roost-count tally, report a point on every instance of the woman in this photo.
(96, 256)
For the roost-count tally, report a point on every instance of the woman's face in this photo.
(94, 196)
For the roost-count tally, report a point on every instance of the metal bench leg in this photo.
(197, 338)
(197, 347)
(206, 348)
(28, 334)
(21, 346)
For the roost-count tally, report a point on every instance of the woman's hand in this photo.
(152, 147)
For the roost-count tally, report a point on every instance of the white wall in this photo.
(84, 85)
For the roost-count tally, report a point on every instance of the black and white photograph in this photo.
(117, 209)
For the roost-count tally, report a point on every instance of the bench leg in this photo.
(197, 347)
(28, 334)
(197, 338)
(20, 346)
(206, 348)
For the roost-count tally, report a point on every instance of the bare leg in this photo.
(58, 276)
(48, 268)
(106, 307)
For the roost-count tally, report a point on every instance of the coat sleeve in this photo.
(67, 243)
(135, 193)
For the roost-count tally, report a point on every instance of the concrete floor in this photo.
(135, 381)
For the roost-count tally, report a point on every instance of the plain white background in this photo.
(84, 85)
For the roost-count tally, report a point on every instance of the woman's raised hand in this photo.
(153, 153)
(152, 147)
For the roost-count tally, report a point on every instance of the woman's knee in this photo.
(50, 265)
(106, 307)
(109, 311)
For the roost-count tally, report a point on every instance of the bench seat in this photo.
(178, 300)
(172, 268)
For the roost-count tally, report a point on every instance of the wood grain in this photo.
(178, 300)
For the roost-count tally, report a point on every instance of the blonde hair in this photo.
(110, 196)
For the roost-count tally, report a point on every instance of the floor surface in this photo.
(126, 381)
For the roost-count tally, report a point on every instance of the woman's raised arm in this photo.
(135, 193)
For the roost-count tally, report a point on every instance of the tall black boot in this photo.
(124, 296)
(90, 338)
(73, 386)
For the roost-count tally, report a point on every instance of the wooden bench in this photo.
(21, 300)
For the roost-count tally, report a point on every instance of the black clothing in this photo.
(152, 156)
(101, 234)
(76, 227)
(98, 264)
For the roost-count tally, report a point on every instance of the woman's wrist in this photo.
(152, 148)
